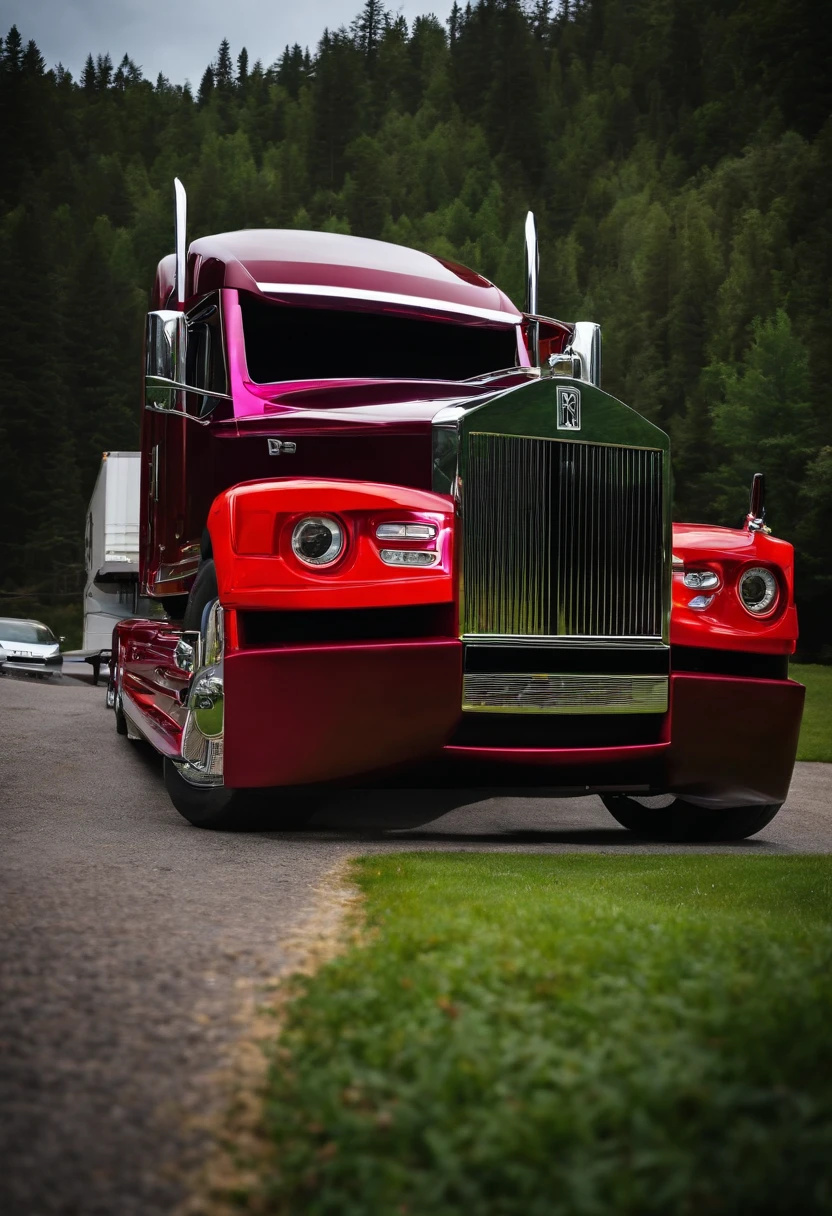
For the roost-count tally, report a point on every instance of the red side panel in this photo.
(151, 682)
(734, 741)
(319, 713)
(251, 532)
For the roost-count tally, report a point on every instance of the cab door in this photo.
(185, 393)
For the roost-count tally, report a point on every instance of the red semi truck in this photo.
(401, 534)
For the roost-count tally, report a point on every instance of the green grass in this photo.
(816, 731)
(564, 1034)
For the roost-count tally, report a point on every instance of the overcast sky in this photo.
(180, 37)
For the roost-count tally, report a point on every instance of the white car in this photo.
(29, 646)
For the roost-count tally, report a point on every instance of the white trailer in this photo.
(111, 592)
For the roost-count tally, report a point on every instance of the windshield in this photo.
(284, 343)
(25, 631)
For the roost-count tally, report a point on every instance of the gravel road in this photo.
(128, 938)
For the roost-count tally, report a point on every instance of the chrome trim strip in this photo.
(594, 443)
(564, 693)
(388, 297)
(176, 571)
(590, 641)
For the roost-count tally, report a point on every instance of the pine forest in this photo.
(677, 154)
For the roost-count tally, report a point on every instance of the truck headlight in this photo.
(318, 540)
(758, 590)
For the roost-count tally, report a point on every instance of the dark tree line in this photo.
(678, 155)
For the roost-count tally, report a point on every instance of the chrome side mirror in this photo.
(586, 350)
(165, 346)
(166, 340)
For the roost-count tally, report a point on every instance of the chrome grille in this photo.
(562, 539)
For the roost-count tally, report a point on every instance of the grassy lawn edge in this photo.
(516, 1033)
(816, 731)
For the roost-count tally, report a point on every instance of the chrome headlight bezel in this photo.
(768, 604)
(335, 549)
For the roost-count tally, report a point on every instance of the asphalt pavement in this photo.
(128, 938)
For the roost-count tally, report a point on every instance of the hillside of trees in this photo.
(677, 153)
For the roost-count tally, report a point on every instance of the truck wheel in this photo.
(241, 810)
(121, 721)
(682, 822)
(203, 593)
(218, 806)
(175, 605)
(213, 807)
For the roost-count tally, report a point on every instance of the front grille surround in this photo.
(565, 542)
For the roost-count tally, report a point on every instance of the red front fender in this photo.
(251, 529)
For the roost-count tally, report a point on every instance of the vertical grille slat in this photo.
(562, 539)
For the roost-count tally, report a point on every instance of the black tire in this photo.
(683, 823)
(175, 606)
(235, 810)
(217, 806)
(203, 592)
(121, 721)
(211, 806)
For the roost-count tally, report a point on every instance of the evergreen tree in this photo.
(369, 27)
(206, 86)
(89, 79)
(13, 52)
(223, 68)
(763, 422)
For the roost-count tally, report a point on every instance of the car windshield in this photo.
(285, 343)
(25, 631)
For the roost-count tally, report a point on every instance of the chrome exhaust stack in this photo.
(532, 272)
(180, 223)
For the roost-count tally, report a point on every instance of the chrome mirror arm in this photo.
(164, 382)
(177, 413)
(755, 520)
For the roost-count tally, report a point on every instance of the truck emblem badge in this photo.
(569, 408)
(280, 447)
